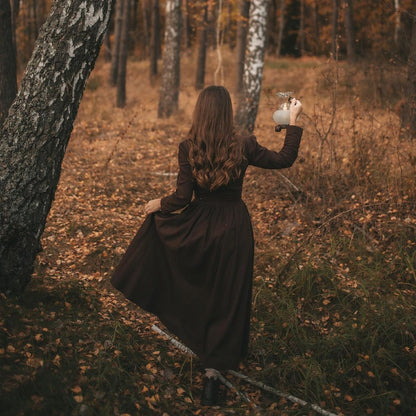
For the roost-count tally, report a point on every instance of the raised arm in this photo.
(262, 157)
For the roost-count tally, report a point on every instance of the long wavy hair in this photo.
(215, 153)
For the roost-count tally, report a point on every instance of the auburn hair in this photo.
(215, 153)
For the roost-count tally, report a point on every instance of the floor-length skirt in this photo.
(194, 271)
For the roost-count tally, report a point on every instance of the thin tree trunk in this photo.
(107, 47)
(334, 26)
(202, 48)
(35, 18)
(301, 33)
(244, 8)
(349, 29)
(397, 22)
(145, 15)
(8, 83)
(281, 27)
(122, 64)
(253, 67)
(212, 28)
(316, 27)
(35, 134)
(115, 56)
(15, 7)
(155, 39)
(408, 114)
(169, 91)
(186, 25)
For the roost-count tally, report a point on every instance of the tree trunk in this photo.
(281, 28)
(115, 56)
(349, 30)
(244, 8)
(107, 47)
(301, 33)
(315, 15)
(145, 14)
(122, 63)
(397, 22)
(35, 18)
(155, 39)
(408, 114)
(253, 67)
(202, 48)
(169, 90)
(35, 134)
(8, 83)
(15, 7)
(334, 25)
(186, 29)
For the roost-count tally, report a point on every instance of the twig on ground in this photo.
(288, 181)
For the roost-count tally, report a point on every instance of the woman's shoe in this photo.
(210, 392)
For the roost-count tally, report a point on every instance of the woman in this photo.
(191, 262)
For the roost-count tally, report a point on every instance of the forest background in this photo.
(334, 288)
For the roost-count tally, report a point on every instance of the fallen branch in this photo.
(231, 387)
(188, 351)
(272, 390)
(174, 341)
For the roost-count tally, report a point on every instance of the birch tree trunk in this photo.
(253, 66)
(202, 48)
(244, 8)
(349, 30)
(8, 83)
(35, 134)
(169, 90)
(122, 63)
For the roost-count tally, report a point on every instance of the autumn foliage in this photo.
(334, 287)
(335, 268)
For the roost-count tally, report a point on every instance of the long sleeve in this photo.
(262, 157)
(184, 184)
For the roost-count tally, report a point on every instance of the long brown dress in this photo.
(193, 269)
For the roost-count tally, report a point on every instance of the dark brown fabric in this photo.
(194, 269)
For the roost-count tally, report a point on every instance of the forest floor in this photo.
(334, 280)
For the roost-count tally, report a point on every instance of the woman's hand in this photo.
(152, 206)
(294, 110)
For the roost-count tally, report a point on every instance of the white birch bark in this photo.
(35, 134)
(169, 90)
(253, 66)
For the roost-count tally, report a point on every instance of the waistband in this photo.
(220, 196)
